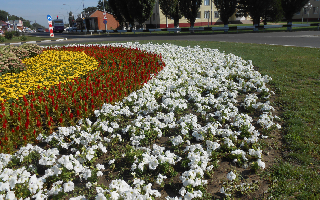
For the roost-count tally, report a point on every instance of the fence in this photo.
(213, 29)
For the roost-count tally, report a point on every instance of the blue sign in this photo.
(105, 21)
(49, 17)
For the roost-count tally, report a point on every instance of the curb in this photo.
(32, 42)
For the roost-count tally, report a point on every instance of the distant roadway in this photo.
(299, 38)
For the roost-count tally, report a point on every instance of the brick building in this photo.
(95, 21)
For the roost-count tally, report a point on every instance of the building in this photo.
(207, 14)
(308, 14)
(95, 21)
(16, 24)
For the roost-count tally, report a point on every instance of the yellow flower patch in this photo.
(45, 70)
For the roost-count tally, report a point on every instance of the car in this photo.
(40, 30)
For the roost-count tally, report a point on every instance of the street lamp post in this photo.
(308, 8)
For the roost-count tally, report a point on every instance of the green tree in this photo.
(71, 19)
(3, 15)
(190, 9)
(170, 8)
(106, 6)
(255, 8)
(117, 10)
(273, 12)
(226, 9)
(141, 10)
(89, 10)
(290, 7)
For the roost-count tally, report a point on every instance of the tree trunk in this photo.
(289, 23)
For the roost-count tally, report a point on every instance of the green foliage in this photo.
(226, 9)
(170, 8)
(255, 8)
(9, 35)
(190, 9)
(16, 33)
(23, 38)
(2, 38)
(290, 7)
(131, 10)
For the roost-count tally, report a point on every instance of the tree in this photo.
(131, 10)
(141, 10)
(273, 12)
(254, 8)
(106, 6)
(190, 9)
(170, 8)
(290, 7)
(89, 10)
(118, 9)
(226, 9)
(71, 19)
(3, 15)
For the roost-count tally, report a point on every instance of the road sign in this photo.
(49, 17)
(51, 35)
(105, 21)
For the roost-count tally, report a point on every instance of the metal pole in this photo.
(208, 13)
(211, 13)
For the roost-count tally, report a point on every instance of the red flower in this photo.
(24, 138)
(17, 128)
(27, 123)
(11, 113)
(60, 120)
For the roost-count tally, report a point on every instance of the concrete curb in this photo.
(32, 42)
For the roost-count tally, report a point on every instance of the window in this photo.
(207, 2)
(216, 14)
(207, 14)
(199, 15)
(315, 10)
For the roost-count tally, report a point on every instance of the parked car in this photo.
(40, 30)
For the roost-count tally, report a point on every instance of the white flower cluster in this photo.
(195, 98)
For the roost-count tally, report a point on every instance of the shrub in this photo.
(23, 38)
(2, 39)
(9, 35)
(16, 33)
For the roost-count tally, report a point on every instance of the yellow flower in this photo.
(46, 69)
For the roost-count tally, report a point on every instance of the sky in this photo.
(37, 10)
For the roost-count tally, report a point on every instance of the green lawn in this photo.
(296, 82)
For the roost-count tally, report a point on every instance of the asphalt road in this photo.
(299, 38)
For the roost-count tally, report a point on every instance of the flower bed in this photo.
(166, 137)
(76, 81)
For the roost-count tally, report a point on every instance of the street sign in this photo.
(105, 21)
(49, 17)
(51, 35)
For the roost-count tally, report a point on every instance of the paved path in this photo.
(299, 38)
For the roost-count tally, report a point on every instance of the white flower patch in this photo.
(194, 101)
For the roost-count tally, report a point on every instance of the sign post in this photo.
(50, 25)
(105, 19)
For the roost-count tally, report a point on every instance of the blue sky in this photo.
(37, 10)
